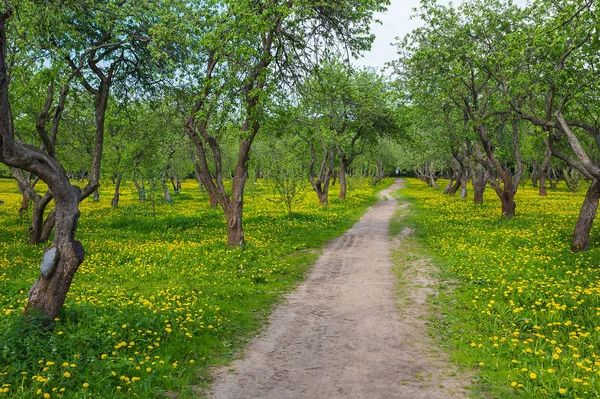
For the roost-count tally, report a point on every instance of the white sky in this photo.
(396, 23)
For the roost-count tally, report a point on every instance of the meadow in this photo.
(516, 304)
(160, 298)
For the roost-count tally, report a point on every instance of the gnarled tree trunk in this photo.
(59, 265)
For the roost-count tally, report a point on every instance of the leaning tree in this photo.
(77, 39)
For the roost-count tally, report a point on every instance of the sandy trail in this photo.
(340, 334)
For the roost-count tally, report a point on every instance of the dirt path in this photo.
(340, 334)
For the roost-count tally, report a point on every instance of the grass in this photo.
(158, 300)
(524, 311)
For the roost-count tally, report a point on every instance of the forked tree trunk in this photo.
(455, 187)
(432, 182)
(455, 179)
(587, 214)
(323, 194)
(449, 185)
(60, 263)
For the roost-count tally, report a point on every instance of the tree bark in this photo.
(543, 167)
(48, 293)
(479, 181)
(587, 214)
(508, 203)
(115, 201)
(463, 186)
(140, 190)
(342, 179)
(478, 190)
(455, 187)
(167, 194)
(37, 219)
(449, 185)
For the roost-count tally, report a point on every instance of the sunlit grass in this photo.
(526, 311)
(160, 297)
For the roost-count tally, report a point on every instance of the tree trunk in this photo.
(24, 204)
(167, 194)
(478, 190)
(455, 186)
(36, 235)
(543, 189)
(508, 203)
(535, 173)
(463, 186)
(37, 222)
(323, 195)
(60, 263)
(449, 185)
(140, 190)
(199, 181)
(115, 201)
(48, 226)
(554, 178)
(587, 214)
(432, 182)
(342, 178)
(543, 168)
(235, 232)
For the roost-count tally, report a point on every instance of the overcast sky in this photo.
(396, 23)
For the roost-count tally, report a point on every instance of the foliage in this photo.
(525, 311)
(155, 303)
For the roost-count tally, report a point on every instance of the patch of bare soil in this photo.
(343, 334)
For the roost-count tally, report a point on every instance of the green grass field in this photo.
(160, 298)
(524, 310)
